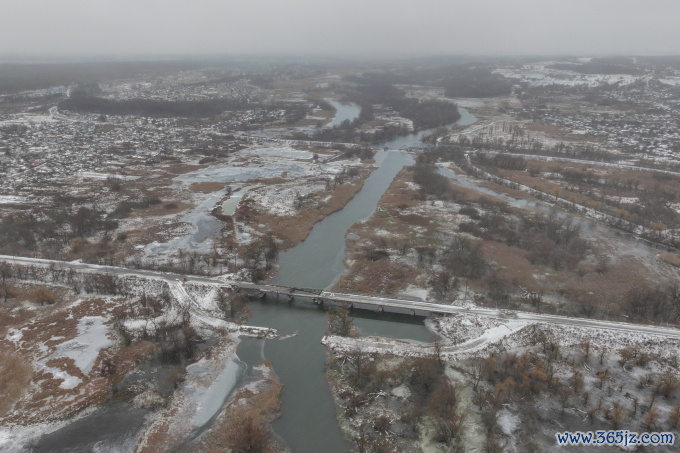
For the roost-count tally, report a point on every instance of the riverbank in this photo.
(205, 384)
(246, 420)
(370, 269)
(398, 395)
(311, 204)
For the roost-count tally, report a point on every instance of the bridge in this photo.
(419, 308)
(356, 301)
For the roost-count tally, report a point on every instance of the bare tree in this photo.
(359, 360)
(340, 321)
(477, 371)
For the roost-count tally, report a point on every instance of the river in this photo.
(343, 111)
(404, 141)
(319, 260)
(308, 423)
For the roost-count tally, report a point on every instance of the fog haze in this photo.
(350, 27)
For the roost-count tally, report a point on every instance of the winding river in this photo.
(404, 141)
(308, 423)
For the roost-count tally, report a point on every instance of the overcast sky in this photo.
(340, 27)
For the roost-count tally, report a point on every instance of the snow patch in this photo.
(83, 349)
(286, 152)
(507, 421)
(210, 398)
(10, 199)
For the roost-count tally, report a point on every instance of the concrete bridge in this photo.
(358, 301)
(418, 308)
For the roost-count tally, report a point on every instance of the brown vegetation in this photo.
(601, 188)
(162, 209)
(362, 381)
(15, 376)
(42, 296)
(206, 187)
(293, 230)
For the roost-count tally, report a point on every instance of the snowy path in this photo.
(414, 349)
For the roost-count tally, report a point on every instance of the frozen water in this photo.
(83, 349)
(211, 398)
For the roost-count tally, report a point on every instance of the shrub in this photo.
(42, 296)
(15, 375)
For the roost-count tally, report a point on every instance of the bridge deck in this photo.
(360, 301)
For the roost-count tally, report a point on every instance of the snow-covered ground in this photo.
(538, 74)
(208, 384)
(10, 199)
(255, 163)
(84, 350)
(413, 349)
(460, 328)
(90, 174)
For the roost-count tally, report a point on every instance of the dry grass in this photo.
(180, 169)
(645, 178)
(160, 209)
(380, 278)
(15, 376)
(384, 277)
(548, 129)
(511, 263)
(206, 187)
(671, 258)
(400, 193)
(293, 230)
(101, 128)
(14, 315)
(47, 401)
(270, 181)
(607, 288)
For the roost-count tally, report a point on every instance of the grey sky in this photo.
(345, 27)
